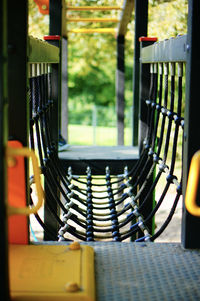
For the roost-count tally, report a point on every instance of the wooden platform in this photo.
(98, 157)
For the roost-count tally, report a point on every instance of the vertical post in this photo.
(4, 284)
(54, 38)
(18, 109)
(57, 26)
(56, 92)
(143, 96)
(143, 127)
(141, 25)
(64, 89)
(17, 71)
(120, 86)
(144, 86)
(191, 224)
(57, 30)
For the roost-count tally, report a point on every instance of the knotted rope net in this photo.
(113, 207)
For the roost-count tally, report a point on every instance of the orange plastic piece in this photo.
(17, 224)
(43, 6)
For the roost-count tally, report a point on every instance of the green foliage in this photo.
(91, 73)
(92, 57)
(168, 18)
(38, 23)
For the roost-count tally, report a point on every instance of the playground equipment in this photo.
(100, 204)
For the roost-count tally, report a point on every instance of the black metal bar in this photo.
(144, 88)
(147, 90)
(57, 24)
(56, 27)
(191, 224)
(4, 284)
(173, 50)
(141, 9)
(120, 86)
(18, 109)
(17, 71)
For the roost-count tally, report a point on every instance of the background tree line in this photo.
(92, 57)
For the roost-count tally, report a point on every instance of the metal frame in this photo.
(121, 30)
(144, 86)
(141, 9)
(191, 224)
(4, 285)
(93, 8)
(125, 17)
(96, 20)
(18, 106)
(126, 14)
(183, 49)
(57, 27)
(173, 50)
(17, 71)
(120, 88)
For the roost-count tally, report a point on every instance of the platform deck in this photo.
(146, 271)
(98, 157)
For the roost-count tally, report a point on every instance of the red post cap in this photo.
(148, 39)
(52, 38)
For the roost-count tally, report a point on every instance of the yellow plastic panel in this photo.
(51, 273)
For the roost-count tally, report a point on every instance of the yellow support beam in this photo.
(96, 20)
(126, 15)
(93, 30)
(89, 8)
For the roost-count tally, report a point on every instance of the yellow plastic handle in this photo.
(192, 186)
(26, 152)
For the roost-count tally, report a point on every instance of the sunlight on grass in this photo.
(106, 136)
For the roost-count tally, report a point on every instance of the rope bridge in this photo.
(112, 207)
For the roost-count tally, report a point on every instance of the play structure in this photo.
(98, 203)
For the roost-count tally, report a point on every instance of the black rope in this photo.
(94, 211)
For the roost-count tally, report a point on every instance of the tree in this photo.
(92, 57)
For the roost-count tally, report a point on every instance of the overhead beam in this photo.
(100, 20)
(125, 17)
(93, 30)
(90, 8)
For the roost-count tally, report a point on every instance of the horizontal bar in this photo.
(93, 30)
(86, 8)
(42, 52)
(101, 20)
(172, 50)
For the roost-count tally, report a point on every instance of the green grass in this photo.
(105, 136)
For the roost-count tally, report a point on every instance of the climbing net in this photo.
(112, 207)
